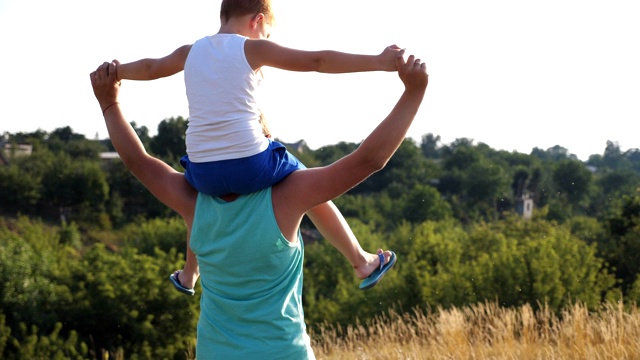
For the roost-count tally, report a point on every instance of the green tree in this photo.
(169, 143)
(64, 140)
(403, 172)
(143, 134)
(77, 189)
(430, 146)
(18, 189)
(128, 198)
(622, 248)
(116, 299)
(329, 154)
(424, 203)
(472, 182)
(555, 153)
(573, 181)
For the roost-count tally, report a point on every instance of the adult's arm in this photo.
(165, 183)
(305, 189)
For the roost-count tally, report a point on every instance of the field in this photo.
(488, 331)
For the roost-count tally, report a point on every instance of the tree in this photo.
(328, 154)
(555, 153)
(613, 158)
(471, 182)
(424, 203)
(143, 134)
(573, 181)
(169, 143)
(403, 172)
(430, 146)
(128, 198)
(622, 250)
(64, 140)
(69, 185)
(18, 189)
(65, 134)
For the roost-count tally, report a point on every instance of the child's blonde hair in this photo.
(233, 8)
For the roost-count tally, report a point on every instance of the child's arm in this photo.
(267, 53)
(151, 69)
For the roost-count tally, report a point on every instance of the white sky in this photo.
(512, 74)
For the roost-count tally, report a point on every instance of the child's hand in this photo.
(413, 73)
(116, 63)
(388, 58)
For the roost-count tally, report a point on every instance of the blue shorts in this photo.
(244, 175)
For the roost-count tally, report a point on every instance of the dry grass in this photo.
(488, 331)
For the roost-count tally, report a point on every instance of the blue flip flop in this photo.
(377, 274)
(176, 283)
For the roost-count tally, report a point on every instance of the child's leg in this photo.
(191, 271)
(332, 225)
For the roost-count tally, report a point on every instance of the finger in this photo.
(401, 52)
(101, 69)
(400, 60)
(409, 63)
(112, 70)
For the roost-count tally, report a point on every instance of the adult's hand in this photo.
(413, 73)
(105, 85)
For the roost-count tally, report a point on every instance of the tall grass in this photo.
(488, 331)
(483, 331)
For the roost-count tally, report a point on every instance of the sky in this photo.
(514, 75)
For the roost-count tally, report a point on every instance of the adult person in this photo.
(249, 247)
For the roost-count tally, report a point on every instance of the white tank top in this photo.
(224, 117)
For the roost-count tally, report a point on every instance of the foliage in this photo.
(97, 299)
(85, 249)
(170, 141)
(514, 262)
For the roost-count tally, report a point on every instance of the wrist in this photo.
(108, 107)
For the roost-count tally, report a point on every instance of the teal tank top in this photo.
(251, 277)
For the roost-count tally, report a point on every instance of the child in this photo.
(227, 152)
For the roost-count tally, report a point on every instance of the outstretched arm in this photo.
(151, 69)
(305, 189)
(267, 53)
(168, 185)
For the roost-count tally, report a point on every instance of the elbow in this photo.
(135, 163)
(373, 163)
(148, 71)
(378, 165)
(317, 63)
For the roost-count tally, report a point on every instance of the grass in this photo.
(483, 331)
(488, 331)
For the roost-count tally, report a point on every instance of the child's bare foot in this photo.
(371, 263)
(378, 266)
(184, 281)
(187, 279)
